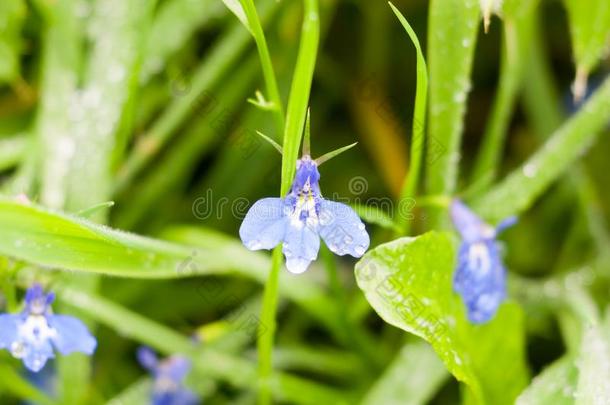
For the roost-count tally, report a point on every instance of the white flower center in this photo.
(478, 255)
(35, 330)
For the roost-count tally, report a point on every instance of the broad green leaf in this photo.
(520, 188)
(408, 283)
(555, 385)
(413, 378)
(452, 34)
(12, 15)
(55, 240)
(237, 9)
(590, 31)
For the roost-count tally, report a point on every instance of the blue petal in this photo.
(342, 229)
(176, 368)
(8, 330)
(468, 224)
(72, 335)
(181, 396)
(264, 225)
(480, 280)
(507, 223)
(147, 358)
(301, 246)
(36, 355)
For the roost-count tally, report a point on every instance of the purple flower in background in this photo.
(480, 277)
(32, 334)
(169, 375)
(300, 219)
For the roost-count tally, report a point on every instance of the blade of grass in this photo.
(50, 239)
(268, 73)
(520, 188)
(452, 31)
(175, 168)
(175, 22)
(208, 363)
(221, 58)
(489, 154)
(12, 382)
(411, 182)
(295, 120)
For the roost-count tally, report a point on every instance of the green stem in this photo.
(518, 190)
(452, 35)
(486, 165)
(267, 328)
(265, 58)
(295, 120)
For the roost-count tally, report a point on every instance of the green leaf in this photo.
(411, 183)
(555, 385)
(207, 362)
(520, 188)
(400, 385)
(237, 9)
(299, 91)
(55, 240)
(409, 284)
(590, 30)
(452, 37)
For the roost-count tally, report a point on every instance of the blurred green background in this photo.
(146, 104)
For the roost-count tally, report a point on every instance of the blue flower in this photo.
(32, 334)
(168, 374)
(300, 219)
(480, 277)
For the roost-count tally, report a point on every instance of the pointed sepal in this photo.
(271, 141)
(334, 153)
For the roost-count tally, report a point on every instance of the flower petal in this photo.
(72, 335)
(342, 229)
(36, 356)
(264, 225)
(480, 280)
(468, 224)
(180, 396)
(8, 330)
(176, 368)
(147, 358)
(301, 245)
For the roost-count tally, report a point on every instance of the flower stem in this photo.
(295, 120)
(263, 52)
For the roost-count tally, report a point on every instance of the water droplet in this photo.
(530, 170)
(459, 96)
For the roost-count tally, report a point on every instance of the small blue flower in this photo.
(32, 334)
(168, 374)
(300, 219)
(480, 277)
